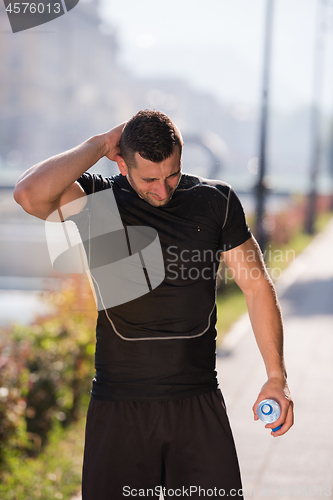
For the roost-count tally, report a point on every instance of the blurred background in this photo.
(201, 63)
(249, 84)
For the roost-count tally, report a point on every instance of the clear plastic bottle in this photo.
(269, 411)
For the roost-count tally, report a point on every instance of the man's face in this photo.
(155, 182)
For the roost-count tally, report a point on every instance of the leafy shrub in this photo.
(13, 391)
(54, 474)
(46, 370)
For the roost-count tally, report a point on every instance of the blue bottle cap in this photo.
(267, 409)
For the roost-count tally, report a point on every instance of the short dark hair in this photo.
(152, 134)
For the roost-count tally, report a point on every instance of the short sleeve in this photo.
(235, 230)
(92, 183)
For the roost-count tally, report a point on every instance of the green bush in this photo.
(46, 371)
(14, 376)
(54, 474)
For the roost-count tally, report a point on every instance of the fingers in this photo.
(112, 139)
(114, 154)
(286, 422)
(254, 408)
(286, 419)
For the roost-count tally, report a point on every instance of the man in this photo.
(156, 416)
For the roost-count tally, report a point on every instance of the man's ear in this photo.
(121, 165)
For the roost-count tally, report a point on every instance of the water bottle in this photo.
(269, 411)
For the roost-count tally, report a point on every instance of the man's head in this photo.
(151, 134)
(151, 147)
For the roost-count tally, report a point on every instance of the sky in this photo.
(217, 46)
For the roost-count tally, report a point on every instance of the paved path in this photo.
(20, 306)
(298, 465)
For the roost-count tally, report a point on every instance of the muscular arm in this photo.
(248, 269)
(52, 183)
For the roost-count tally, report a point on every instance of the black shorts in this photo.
(184, 446)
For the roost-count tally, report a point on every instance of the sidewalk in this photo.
(20, 306)
(299, 464)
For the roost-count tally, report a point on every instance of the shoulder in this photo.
(92, 183)
(211, 187)
(218, 195)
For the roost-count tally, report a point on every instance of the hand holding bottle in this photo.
(269, 411)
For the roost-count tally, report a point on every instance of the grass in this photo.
(229, 308)
(297, 244)
(55, 474)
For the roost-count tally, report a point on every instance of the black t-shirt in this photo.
(162, 344)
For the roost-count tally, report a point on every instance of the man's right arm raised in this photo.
(51, 184)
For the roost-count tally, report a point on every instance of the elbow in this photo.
(19, 193)
(22, 196)
(30, 203)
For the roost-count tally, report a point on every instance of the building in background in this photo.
(62, 82)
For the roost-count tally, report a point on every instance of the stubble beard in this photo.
(149, 197)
